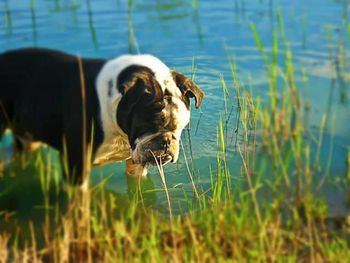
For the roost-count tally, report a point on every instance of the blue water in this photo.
(182, 32)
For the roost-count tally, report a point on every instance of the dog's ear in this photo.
(188, 87)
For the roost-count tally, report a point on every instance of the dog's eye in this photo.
(168, 99)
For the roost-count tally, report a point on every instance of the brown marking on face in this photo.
(170, 123)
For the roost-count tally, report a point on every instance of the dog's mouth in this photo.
(158, 149)
(162, 159)
(157, 158)
(150, 157)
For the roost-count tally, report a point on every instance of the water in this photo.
(180, 32)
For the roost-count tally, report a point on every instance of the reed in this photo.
(8, 18)
(34, 23)
(195, 4)
(132, 40)
(92, 27)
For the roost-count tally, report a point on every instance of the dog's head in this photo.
(153, 111)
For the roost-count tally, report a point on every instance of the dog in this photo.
(131, 108)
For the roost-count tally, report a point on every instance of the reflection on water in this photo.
(204, 33)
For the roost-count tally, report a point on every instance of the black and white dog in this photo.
(135, 107)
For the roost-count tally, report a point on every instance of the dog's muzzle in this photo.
(160, 159)
(157, 149)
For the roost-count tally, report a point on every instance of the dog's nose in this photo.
(166, 144)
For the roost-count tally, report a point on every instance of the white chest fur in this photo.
(116, 148)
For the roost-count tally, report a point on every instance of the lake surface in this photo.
(204, 32)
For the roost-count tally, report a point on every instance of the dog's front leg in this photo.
(135, 170)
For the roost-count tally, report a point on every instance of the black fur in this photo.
(40, 99)
(139, 111)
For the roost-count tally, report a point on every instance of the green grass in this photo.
(271, 213)
(7, 18)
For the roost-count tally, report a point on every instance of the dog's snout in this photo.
(166, 144)
(161, 149)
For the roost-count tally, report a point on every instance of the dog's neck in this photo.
(115, 145)
(109, 98)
